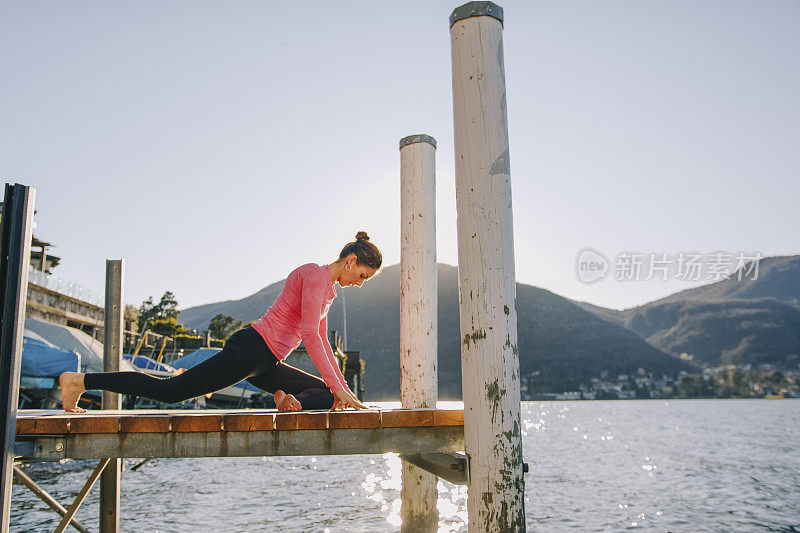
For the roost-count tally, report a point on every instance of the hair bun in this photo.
(362, 236)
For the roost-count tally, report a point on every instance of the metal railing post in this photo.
(112, 355)
(15, 252)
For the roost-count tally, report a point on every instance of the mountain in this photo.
(246, 309)
(777, 277)
(563, 343)
(723, 332)
(569, 345)
(611, 315)
(732, 321)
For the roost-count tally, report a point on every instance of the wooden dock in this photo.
(428, 438)
(43, 435)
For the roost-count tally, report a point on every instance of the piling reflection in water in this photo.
(384, 488)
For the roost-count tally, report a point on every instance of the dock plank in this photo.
(196, 422)
(26, 426)
(301, 420)
(249, 422)
(354, 419)
(448, 417)
(396, 418)
(145, 424)
(94, 424)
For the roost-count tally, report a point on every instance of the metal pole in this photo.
(112, 355)
(487, 287)
(418, 320)
(15, 252)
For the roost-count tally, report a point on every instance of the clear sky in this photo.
(218, 145)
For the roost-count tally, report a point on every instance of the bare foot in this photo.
(286, 402)
(71, 389)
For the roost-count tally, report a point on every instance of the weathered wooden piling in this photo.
(418, 319)
(487, 290)
(15, 252)
(112, 355)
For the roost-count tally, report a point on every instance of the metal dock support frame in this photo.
(15, 251)
(67, 518)
(112, 355)
(46, 498)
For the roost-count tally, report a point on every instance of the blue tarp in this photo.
(145, 363)
(195, 358)
(72, 340)
(200, 355)
(42, 359)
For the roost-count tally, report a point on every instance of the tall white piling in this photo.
(418, 319)
(112, 355)
(487, 289)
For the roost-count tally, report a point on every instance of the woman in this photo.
(255, 352)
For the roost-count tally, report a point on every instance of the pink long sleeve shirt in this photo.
(300, 313)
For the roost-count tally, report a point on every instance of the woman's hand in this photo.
(344, 398)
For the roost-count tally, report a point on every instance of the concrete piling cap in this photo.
(476, 9)
(418, 138)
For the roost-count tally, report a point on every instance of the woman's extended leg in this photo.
(310, 391)
(224, 369)
(235, 362)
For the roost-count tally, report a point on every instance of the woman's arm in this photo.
(323, 332)
(313, 293)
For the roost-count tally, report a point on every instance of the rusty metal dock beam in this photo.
(112, 356)
(453, 467)
(15, 251)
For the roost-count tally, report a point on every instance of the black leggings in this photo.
(245, 356)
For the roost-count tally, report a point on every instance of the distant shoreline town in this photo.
(721, 382)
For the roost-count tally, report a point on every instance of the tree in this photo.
(167, 307)
(222, 326)
(694, 386)
(168, 326)
(146, 313)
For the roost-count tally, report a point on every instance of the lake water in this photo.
(677, 465)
